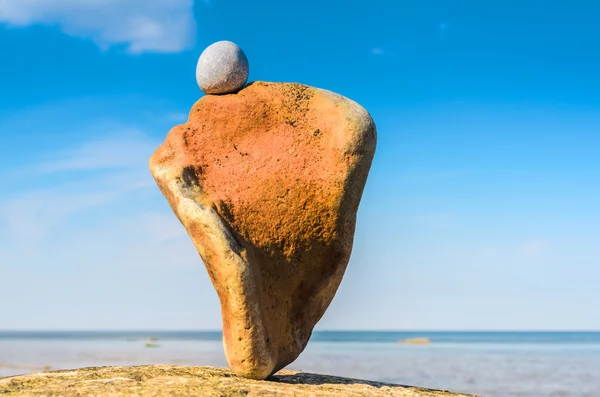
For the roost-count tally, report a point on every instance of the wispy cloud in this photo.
(130, 149)
(31, 214)
(427, 176)
(444, 26)
(382, 52)
(533, 249)
(444, 29)
(139, 25)
(101, 197)
(437, 220)
(178, 117)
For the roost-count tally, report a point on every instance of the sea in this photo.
(494, 364)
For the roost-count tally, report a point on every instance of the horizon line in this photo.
(315, 331)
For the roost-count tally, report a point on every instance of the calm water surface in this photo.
(495, 364)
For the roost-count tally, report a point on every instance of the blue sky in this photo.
(481, 211)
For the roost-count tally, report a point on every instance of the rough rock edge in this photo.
(168, 380)
(256, 350)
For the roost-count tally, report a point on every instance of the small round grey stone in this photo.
(222, 68)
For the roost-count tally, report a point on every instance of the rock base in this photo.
(167, 380)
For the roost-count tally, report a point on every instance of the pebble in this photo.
(222, 68)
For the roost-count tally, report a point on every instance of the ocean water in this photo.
(495, 364)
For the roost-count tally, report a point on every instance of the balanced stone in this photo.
(267, 183)
(222, 68)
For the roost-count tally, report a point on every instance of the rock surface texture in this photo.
(267, 183)
(222, 68)
(165, 380)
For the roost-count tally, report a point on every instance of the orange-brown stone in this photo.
(267, 183)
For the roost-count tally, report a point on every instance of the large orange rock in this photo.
(267, 183)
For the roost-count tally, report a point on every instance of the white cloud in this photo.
(130, 149)
(444, 26)
(533, 249)
(382, 52)
(178, 117)
(429, 176)
(437, 220)
(87, 241)
(29, 216)
(104, 196)
(140, 25)
(103, 235)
